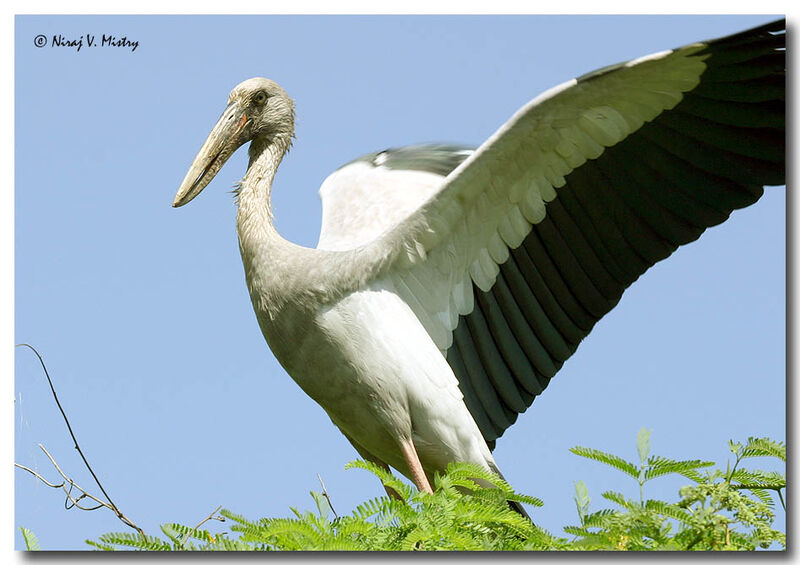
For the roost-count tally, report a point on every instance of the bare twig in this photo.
(68, 491)
(38, 476)
(110, 504)
(325, 494)
(211, 516)
(68, 485)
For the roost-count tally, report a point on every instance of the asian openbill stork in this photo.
(451, 284)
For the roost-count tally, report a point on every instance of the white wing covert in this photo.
(372, 194)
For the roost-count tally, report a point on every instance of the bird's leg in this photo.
(414, 465)
(371, 458)
(389, 490)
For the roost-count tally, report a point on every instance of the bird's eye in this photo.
(260, 97)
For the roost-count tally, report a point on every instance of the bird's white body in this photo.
(356, 348)
(383, 339)
(369, 362)
(371, 342)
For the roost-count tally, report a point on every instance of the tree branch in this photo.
(67, 485)
(110, 504)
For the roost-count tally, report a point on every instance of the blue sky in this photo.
(143, 318)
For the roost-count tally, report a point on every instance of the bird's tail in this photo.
(513, 504)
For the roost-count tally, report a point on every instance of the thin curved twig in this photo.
(67, 485)
(110, 505)
(325, 494)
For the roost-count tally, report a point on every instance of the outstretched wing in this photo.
(534, 236)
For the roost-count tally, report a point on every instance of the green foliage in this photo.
(649, 467)
(612, 460)
(468, 511)
(721, 510)
(31, 543)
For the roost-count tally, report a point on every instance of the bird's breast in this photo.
(368, 361)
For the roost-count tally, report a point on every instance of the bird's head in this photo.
(258, 108)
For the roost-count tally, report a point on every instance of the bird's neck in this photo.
(279, 272)
(254, 192)
(265, 254)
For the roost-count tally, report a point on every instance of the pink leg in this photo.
(414, 465)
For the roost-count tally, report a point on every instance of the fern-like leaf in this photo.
(620, 499)
(135, 541)
(643, 444)
(180, 534)
(658, 466)
(582, 500)
(764, 447)
(693, 475)
(475, 473)
(173, 532)
(233, 517)
(31, 543)
(372, 507)
(670, 510)
(759, 479)
(524, 499)
(609, 459)
(599, 519)
(762, 494)
(578, 530)
(385, 477)
(99, 545)
(225, 544)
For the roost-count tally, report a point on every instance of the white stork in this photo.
(451, 284)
